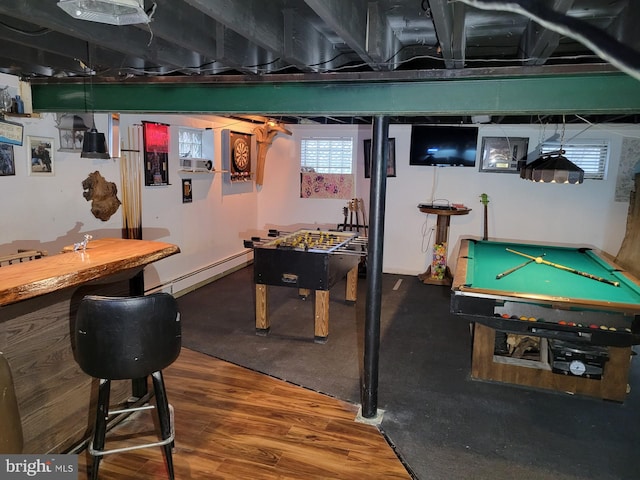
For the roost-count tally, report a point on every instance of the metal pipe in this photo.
(380, 153)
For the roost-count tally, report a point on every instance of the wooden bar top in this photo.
(101, 258)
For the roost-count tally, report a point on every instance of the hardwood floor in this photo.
(234, 423)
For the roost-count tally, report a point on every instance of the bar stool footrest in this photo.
(160, 443)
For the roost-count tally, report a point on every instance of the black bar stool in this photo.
(11, 439)
(121, 338)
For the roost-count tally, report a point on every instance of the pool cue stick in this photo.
(566, 269)
(511, 270)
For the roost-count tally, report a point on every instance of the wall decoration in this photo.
(101, 194)
(41, 161)
(326, 185)
(264, 136)
(503, 154)
(187, 190)
(7, 162)
(391, 160)
(629, 166)
(71, 129)
(131, 166)
(240, 156)
(11, 132)
(156, 153)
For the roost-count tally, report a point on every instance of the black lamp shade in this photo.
(553, 168)
(94, 145)
(526, 171)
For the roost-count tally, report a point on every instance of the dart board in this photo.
(240, 153)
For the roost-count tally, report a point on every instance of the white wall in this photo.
(518, 209)
(50, 212)
(280, 205)
(210, 229)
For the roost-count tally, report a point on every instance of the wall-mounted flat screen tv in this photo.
(443, 145)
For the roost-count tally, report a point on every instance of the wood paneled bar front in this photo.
(38, 303)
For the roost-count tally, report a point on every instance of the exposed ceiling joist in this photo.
(381, 42)
(349, 20)
(449, 19)
(539, 43)
(242, 41)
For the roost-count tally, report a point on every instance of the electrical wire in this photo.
(425, 245)
(33, 33)
(605, 46)
(386, 64)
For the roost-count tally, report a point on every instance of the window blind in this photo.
(591, 156)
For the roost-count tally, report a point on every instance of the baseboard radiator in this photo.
(169, 286)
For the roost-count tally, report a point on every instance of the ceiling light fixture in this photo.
(553, 167)
(94, 145)
(112, 12)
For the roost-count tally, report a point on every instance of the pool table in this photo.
(561, 293)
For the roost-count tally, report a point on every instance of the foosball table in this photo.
(311, 261)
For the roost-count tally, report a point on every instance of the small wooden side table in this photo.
(442, 236)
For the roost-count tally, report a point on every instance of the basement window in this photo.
(190, 143)
(590, 155)
(326, 167)
(327, 155)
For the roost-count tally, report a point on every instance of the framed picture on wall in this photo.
(11, 132)
(156, 153)
(187, 190)
(503, 154)
(40, 156)
(7, 162)
(391, 161)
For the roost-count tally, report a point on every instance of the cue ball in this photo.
(539, 260)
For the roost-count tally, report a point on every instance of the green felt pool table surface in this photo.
(538, 281)
(581, 320)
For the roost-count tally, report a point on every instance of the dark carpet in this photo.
(443, 425)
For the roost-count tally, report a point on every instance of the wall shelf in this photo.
(200, 172)
(22, 115)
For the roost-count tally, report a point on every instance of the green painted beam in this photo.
(608, 93)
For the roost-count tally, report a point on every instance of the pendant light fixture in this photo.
(94, 144)
(553, 167)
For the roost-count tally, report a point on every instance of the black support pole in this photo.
(380, 153)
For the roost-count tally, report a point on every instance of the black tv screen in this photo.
(443, 145)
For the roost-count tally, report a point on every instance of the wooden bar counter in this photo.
(38, 303)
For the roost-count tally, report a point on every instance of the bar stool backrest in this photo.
(11, 439)
(121, 338)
